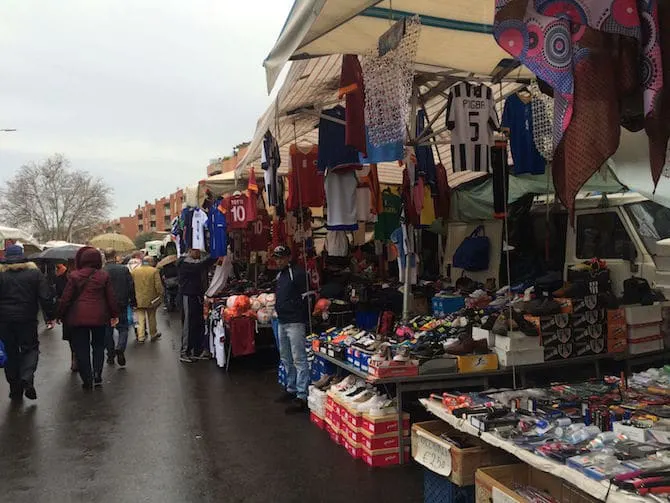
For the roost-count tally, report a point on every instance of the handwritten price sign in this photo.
(431, 454)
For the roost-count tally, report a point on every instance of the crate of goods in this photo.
(438, 489)
(452, 454)
(447, 304)
(498, 483)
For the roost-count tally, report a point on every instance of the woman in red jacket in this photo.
(87, 306)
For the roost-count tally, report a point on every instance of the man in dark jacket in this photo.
(292, 312)
(124, 291)
(23, 290)
(192, 271)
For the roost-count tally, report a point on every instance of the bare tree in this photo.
(55, 201)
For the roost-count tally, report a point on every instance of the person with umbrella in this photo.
(88, 306)
(124, 291)
(23, 290)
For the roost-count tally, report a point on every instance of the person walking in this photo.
(124, 292)
(149, 293)
(88, 306)
(192, 270)
(60, 282)
(23, 291)
(292, 314)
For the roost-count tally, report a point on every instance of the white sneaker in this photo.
(344, 383)
(402, 355)
(364, 395)
(373, 402)
(384, 408)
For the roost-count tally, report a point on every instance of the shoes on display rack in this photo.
(402, 355)
(383, 353)
(298, 406)
(467, 346)
(383, 408)
(324, 381)
(365, 394)
(285, 397)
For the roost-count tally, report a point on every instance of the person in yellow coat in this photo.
(149, 293)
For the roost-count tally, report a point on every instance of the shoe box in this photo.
(317, 420)
(385, 457)
(549, 325)
(477, 363)
(358, 358)
(644, 328)
(617, 331)
(447, 304)
(559, 351)
(523, 357)
(392, 368)
(383, 425)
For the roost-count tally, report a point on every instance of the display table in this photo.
(598, 489)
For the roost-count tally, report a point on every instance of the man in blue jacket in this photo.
(292, 312)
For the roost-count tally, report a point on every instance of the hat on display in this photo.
(281, 251)
(14, 253)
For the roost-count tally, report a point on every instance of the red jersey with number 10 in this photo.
(239, 211)
(259, 232)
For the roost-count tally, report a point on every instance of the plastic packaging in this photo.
(582, 434)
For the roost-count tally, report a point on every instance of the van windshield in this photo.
(652, 221)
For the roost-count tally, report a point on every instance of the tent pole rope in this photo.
(302, 233)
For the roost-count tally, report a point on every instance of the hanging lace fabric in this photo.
(543, 121)
(388, 86)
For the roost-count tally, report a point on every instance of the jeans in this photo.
(146, 318)
(293, 355)
(193, 326)
(83, 341)
(123, 328)
(22, 348)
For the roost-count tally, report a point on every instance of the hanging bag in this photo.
(473, 253)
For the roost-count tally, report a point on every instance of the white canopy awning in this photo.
(455, 34)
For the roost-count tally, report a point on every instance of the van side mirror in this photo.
(629, 254)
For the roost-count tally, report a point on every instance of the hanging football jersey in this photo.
(313, 274)
(305, 187)
(389, 219)
(341, 187)
(333, 151)
(472, 118)
(237, 209)
(218, 237)
(270, 162)
(517, 119)
(199, 223)
(259, 232)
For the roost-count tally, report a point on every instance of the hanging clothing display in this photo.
(199, 224)
(353, 90)
(341, 187)
(386, 152)
(471, 118)
(305, 182)
(313, 274)
(337, 244)
(500, 179)
(404, 245)
(593, 56)
(425, 160)
(517, 121)
(240, 210)
(259, 232)
(427, 214)
(177, 230)
(371, 180)
(218, 232)
(299, 224)
(443, 199)
(333, 151)
(389, 219)
(270, 162)
(221, 275)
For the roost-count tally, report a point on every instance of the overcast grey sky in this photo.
(142, 93)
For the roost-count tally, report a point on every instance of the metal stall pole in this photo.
(410, 229)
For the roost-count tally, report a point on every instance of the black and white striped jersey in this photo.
(472, 118)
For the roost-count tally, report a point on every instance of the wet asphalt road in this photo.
(160, 431)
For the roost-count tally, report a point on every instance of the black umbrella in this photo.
(59, 253)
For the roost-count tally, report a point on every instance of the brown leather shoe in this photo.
(467, 346)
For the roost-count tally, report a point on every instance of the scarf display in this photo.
(605, 61)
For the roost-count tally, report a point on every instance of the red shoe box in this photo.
(333, 433)
(383, 425)
(353, 433)
(380, 442)
(333, 419)
(351, 416)
(386, 457)
(381, 370)
(353, 449)
(319, 421)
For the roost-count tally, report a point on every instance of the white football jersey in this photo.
(472, 118)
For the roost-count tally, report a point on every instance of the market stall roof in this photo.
(222, 183)
(312, 85)
(19, 235)
(455, 34)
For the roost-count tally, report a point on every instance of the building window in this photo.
(140, 228)
(152, 212)
(167, 221)
(140, 216)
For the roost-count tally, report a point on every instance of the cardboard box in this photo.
(566, 305)
(525, 357)
(354, 449)
(458, 464)
(381, 370)
(595, 317)
(385, 457)
(479, 334)
(642, 346)
(447, 304)
(559, 352)
(477, 363)
(516, 341)
(384, 424)
(590, 347)
(496, 483)
(639, 332)
(615, 332)
(584, 304)
(333, 434)
(377, 442)
(549, 324)
(642, 315)
(616, 317)
(317, 420)
(617, 345)
(560, 336)
(584, 334)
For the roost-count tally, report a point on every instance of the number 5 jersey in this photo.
(471, 118)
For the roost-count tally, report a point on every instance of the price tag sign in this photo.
(497, 496)
(433, 455)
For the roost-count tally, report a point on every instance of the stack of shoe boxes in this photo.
(617, 333)
(589, 326)
(316, 402)
(644, 328)
(371, 439)
(555, 335)
(516, 348)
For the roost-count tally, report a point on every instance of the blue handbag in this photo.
(473, 253)
(3, 355)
